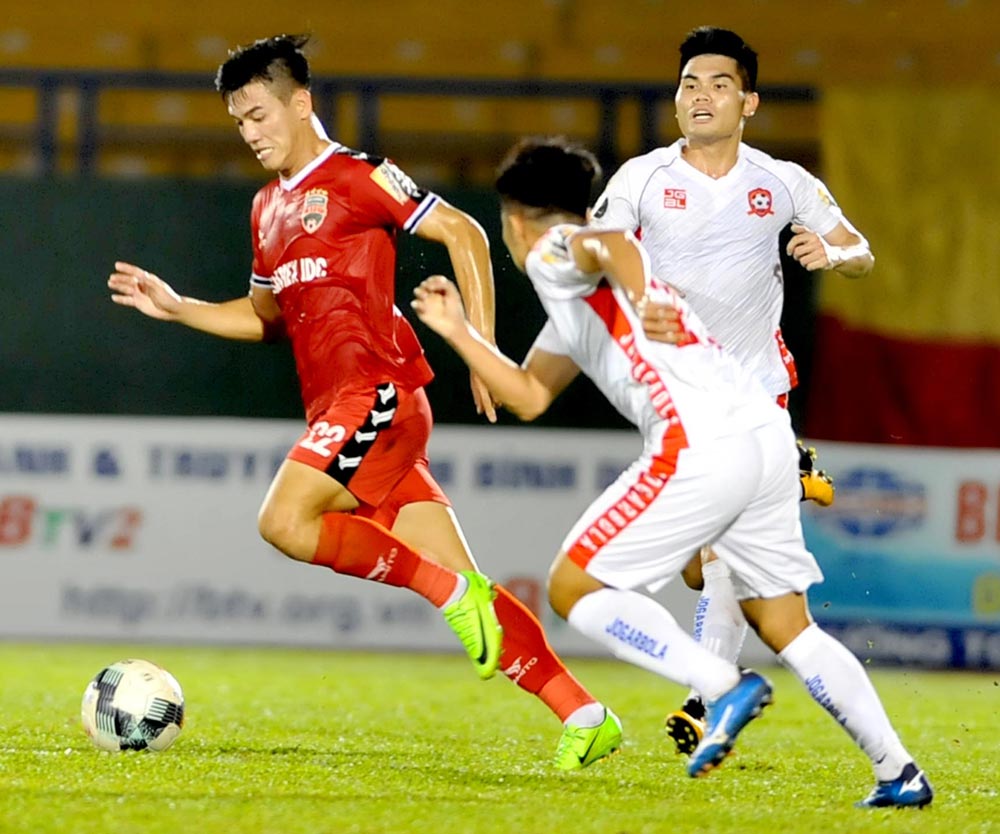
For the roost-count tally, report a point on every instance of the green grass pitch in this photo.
(288, 741)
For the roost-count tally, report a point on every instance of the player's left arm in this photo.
(469, 251)
(842, 249)
(822, 238)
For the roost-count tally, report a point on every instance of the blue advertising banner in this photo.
(911, 554)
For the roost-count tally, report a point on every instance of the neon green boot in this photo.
(473, 619)
(582, 746)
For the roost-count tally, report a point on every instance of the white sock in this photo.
(719, 624)
(640, 631)
(589, 715)
(460, 588)
(838, 682)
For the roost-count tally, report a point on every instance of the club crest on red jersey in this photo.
(675, 198)
(760, 202)
(314, 208)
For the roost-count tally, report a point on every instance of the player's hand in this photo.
(438, 304)
(485, 404)
(807, 248)
(661, 322)
(132, 286)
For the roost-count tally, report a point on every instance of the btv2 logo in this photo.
(23, 521)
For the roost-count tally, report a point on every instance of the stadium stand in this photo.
(179, 128)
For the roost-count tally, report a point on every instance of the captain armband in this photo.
(837, 255)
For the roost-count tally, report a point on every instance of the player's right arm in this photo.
(525, 390)
(551, 374)
(247, 319)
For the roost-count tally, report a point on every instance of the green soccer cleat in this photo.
(582, 746)
(473, 619)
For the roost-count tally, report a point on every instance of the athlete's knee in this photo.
(568, 584)
(778, 620)
(561, 598)
(557, 587)
(273, 526)
(285, 529)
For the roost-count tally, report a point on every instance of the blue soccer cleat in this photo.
(726, 718)
(908, 790)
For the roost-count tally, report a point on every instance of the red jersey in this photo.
(324, 242)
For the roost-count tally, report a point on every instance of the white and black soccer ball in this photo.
(133, 705)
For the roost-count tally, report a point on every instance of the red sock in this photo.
(358, 547)
(530, 662)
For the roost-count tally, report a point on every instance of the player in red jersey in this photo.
(355, 493)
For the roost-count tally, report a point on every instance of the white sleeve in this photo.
(616, 208)
(548, 340)
(551, 267)
(814, 206)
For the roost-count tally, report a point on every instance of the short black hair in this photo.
(279, 58)
(710, 40)
(550, 174)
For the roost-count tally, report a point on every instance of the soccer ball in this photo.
(133, 705)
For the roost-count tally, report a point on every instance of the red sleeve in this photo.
(383, 193)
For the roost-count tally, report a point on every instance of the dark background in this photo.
(67, 349)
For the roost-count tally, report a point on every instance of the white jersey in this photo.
(717, 241)
(682, 395)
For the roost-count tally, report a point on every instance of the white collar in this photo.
(681, 143)
(292, 182)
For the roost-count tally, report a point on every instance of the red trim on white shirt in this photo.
(650, 482)
(638, 497)
(787, 360)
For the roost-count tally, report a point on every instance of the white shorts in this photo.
(739, 494)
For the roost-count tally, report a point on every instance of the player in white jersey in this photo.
(709, 210)
(700, 414)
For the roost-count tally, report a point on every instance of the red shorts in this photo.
(376, 446)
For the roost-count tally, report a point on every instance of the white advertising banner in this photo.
(127, 528)
(145, 529)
